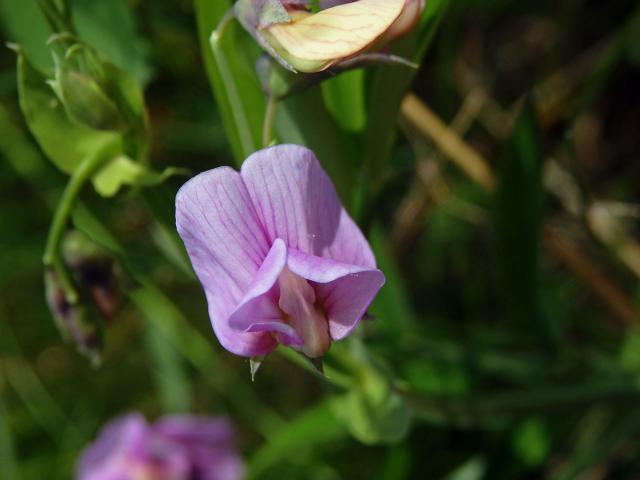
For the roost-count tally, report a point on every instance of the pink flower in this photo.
(174, 448)
(280, 260)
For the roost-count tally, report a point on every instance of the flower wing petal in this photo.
(226, 243)
(345, 291)
(296, 201)
(258, 311)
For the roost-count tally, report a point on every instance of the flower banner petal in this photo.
(296, 201)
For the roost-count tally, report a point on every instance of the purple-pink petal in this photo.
(102, 459)
(344, 290)
(207, 443)
(175, 448)
(258, 310)
(244, 232)
(297, 202)
(226, 244)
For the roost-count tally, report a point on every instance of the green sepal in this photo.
(123, 171)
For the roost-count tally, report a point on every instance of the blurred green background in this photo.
(508, 328)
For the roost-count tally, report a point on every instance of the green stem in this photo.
(269, 114)
(51, 258)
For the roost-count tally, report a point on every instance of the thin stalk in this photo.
(51, 257)
(267, 126)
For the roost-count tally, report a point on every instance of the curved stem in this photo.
(51, 258)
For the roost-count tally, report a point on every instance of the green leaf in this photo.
(123, 171)
(319, 132)
(518, 221)
(24, 24)
(167, 365)
(65, 144)
(344, 97)
(231, 72)
(109, 26)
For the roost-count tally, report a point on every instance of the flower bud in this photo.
(94, 270)
(85, 102)
(80, 84)
(98, 95)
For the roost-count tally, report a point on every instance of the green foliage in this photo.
(110, 26)
(371, 410)
(230, 70)
(98, 110)
(519, 222)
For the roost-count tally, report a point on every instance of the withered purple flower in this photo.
(174, 448)
(280, 260)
